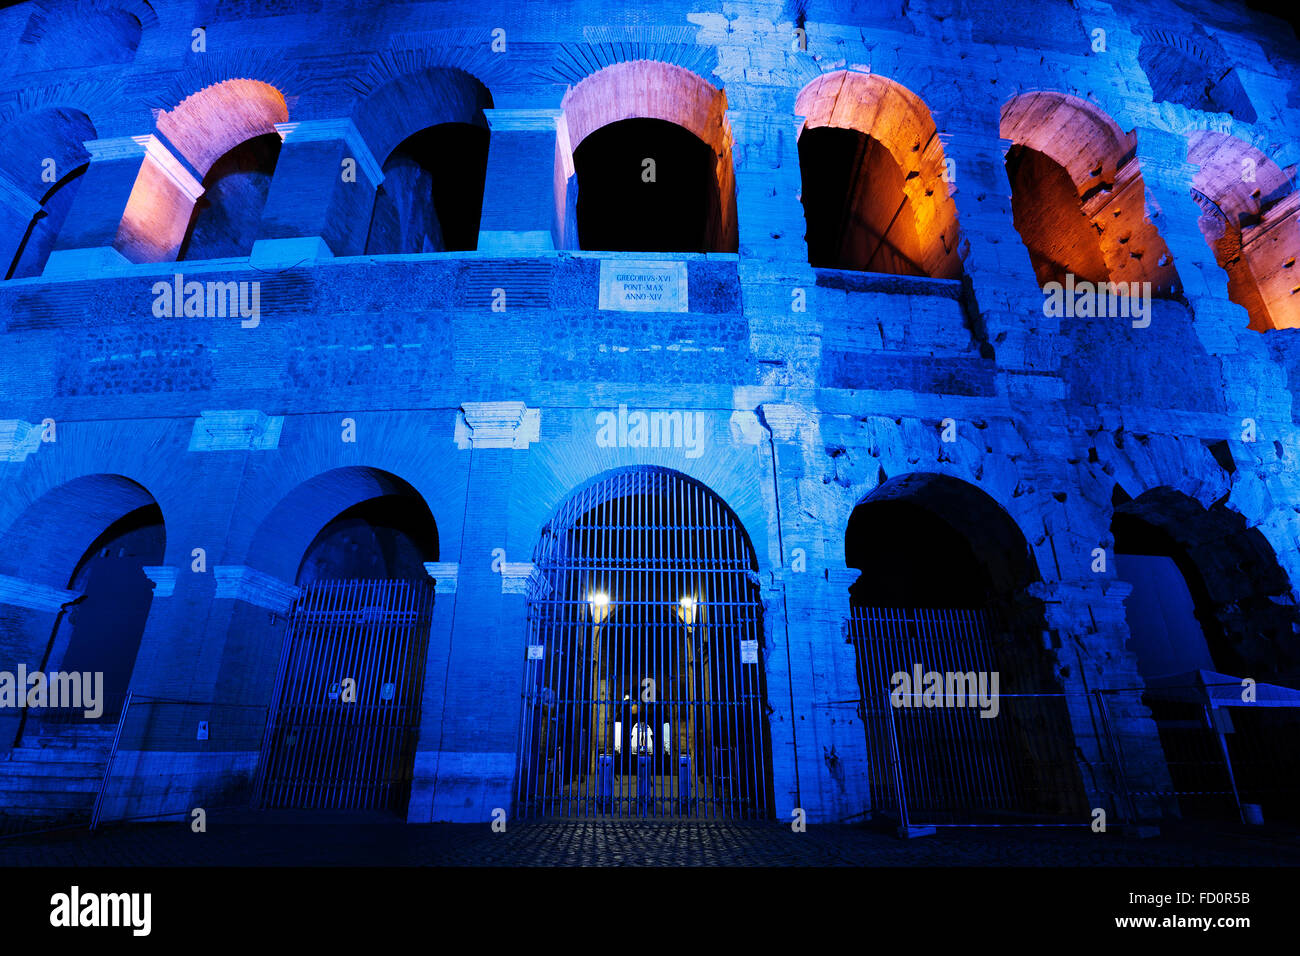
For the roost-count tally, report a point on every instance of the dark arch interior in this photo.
(1138, 539)
(431, 199)
(619, 211)
(910, 557)
(385, 538)
(1048, 214)
(1200, 583)
(858, 216)
(942, 590)
(36, 245)
(101, 633)
(226, 217)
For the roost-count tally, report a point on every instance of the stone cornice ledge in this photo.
(254, 587)
(18, 592)
(497, 425)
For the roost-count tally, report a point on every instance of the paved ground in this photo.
(295, 841)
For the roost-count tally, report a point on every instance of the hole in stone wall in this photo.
(1048, 214)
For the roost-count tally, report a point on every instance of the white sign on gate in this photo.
(749, 652)
(535, 652)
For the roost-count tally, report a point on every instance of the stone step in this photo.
(36, 802)
(15, 779)
(56, 756)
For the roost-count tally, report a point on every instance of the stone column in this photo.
(526, 180)
(1256, 387)
(474, 760)
(445, 575)
(1007, 300)
(322, 194)
(133, 205)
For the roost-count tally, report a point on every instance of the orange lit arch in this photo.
(1099, 158)
(201, 128)
(894, 116)
(1249, 207)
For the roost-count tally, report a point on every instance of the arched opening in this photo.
(431, 198)
(226, 217)
(345, 709)
(637, 111)
(1248, 207)
(1192, 71)
(79, 35)
(942, 591)
(1077, 195)
(1210, 607)
(91, 537)
(34, 250)
(43, 156)
(646, 185)
(875, 182)
(206, 130)
(1049, 216)
(428, 129)
(644, 690)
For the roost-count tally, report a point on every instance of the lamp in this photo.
(598, 602)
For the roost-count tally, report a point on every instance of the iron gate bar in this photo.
(319, 753)
(693, 747)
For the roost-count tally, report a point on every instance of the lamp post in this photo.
(598, 607)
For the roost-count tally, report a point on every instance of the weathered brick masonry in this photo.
(818, 385)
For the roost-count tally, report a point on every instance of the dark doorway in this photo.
(647, 185)
(346, 705)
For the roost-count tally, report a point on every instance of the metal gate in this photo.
(346, 707)
(948, 765)
(643, 683)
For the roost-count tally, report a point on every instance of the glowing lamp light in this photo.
(687, 610)
(598, 602)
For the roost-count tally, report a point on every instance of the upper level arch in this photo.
(641, 90)
(42, 158)
(1249, 204)
(428, 132)
(1077, 195)
(875, 181)
(201, 131)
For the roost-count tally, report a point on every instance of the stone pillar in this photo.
(765, 152)
(445, 575)
(526, 180)
(16, 212)
(1007, 299)
(1100, 678)
(134, 205)
(1256, 387)
(473, 766)
(322, 194)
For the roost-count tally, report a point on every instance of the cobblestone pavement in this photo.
(294, 841)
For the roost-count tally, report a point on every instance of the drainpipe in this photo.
(785, 608)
